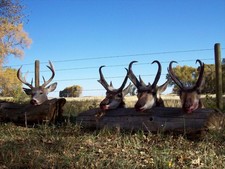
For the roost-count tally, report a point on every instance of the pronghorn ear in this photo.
(163, 87)
(202, 84)
(127, 89)
(111, 85)
(51, 87)
(27, 91)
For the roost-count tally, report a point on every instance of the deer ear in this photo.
(27, 91)
(52, 87)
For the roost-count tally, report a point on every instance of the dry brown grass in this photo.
(70, 146)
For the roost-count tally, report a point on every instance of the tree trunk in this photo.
(27, 114)
(159, 119)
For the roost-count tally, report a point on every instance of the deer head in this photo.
(38, 94)
(148, 95)
(189, 95)
(114, 97)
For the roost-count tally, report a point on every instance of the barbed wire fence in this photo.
(96, 77)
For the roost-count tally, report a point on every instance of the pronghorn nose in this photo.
(138, 106)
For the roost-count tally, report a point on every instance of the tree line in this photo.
(11, 86)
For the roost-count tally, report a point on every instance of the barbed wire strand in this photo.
(118, 65)
(121, 56)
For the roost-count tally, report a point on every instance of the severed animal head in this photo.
(189, 95)
(114, 97)
(148, 95)
(38, 94)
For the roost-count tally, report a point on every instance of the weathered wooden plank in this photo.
(154, 120)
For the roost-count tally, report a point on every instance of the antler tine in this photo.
(102, 79)
(22, 79)
(200, 77)
(141, 81)
(157, 75)
(173, 76)
(124, 82)
(53, 74)
(132, 77)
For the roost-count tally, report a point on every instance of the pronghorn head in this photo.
(189, 95)
(148, 95)
(114, 97)
(38, 94)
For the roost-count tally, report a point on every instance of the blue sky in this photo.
(78, 36)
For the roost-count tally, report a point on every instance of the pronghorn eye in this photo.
(119, 95)
(153, 92)
(180, 92)
(198, 91)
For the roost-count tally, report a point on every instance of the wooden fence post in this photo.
(37, 72)
(218, 71)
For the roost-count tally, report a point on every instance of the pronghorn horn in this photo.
(157, 75)
(124, 82)
(141, 81)
(132, 77)
(102, 79)
(200, 77)
(174, 77)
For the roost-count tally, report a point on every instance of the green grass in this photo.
(71, 146)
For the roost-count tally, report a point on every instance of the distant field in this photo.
(170, 100)
(129, 100)
(132, 98)
(88, 102)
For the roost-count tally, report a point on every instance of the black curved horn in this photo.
(102, 79)
(157, 75)
(124, 82)
(174, 77)
(200, 77)
(132, 77)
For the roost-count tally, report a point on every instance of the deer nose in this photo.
(33, 102)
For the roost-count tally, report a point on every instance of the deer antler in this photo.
(53, 74)
(22, 79)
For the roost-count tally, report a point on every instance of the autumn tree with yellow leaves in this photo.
(13, 40)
